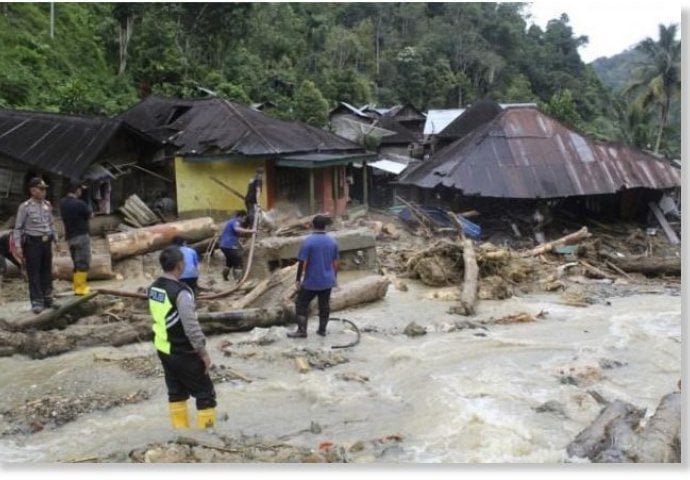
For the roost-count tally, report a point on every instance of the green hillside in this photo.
(304, 57)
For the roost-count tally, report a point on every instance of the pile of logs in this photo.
(137, 214)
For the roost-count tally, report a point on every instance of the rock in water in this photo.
(414, 330)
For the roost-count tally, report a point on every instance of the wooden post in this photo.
(670, 234)
(312, 201)
(365, 180)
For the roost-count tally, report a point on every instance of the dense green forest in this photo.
(306, 57)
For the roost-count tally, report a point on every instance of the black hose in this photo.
(357, 332)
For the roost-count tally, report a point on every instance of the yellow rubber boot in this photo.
(178, 414)
(206, 418)
(79, 283)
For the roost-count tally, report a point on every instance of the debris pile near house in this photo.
(579, 262)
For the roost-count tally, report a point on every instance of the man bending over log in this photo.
(230, 245)
(318, 260)
(180, 343)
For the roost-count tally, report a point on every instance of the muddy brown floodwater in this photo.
(461, 392)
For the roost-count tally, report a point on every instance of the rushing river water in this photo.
(467, 395)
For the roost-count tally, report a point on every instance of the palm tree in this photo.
(657, 81)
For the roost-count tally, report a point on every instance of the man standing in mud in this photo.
(34, 235)
(318, 261)
(180, 344)
(75, 215)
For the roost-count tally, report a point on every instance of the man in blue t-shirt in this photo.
(230, 245)
(318, 260)
(190, 274)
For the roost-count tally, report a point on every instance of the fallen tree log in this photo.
(364, 290)
(137, 328)
(47, 317)
(616, 436)
(41, 344)
(296, 226)
(569, 239)
(121, 293)
(243, 320)
(101, 268)
(156, 237)
(468, 297)
(280, 277)
(649, 266)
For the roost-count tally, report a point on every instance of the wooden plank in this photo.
(670, 234)
(228, 188)
(144, 208)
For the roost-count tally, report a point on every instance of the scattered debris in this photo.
(618, 434)
(53, 410)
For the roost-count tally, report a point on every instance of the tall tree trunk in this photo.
(378, 45)
(663, 119)
(125, 34)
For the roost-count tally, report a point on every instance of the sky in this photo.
(612, 26)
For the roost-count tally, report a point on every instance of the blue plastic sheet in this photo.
(441, 218)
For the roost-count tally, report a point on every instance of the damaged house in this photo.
(60, 148)
(220, 142)
(499, 159)
(395, 133)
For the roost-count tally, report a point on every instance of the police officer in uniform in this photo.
(34, 237)
(180, 344)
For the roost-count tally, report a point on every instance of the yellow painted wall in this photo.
(196, 192)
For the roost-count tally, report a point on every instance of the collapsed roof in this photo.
(524, 153)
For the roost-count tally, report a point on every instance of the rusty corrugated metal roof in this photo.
(62, 144)
(524, 153)
(210, 126)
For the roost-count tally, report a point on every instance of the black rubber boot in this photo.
(226, 272)
(301, 331)
(237, 274)
(322, 326)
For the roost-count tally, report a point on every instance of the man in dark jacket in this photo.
(180, 344)
(75, 215)
(253, 196)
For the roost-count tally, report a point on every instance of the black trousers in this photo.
(38, 254)
(185, 377)
(233, 257)
(249, 220)
(304, 298)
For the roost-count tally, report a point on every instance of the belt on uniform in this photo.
(42, 238)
